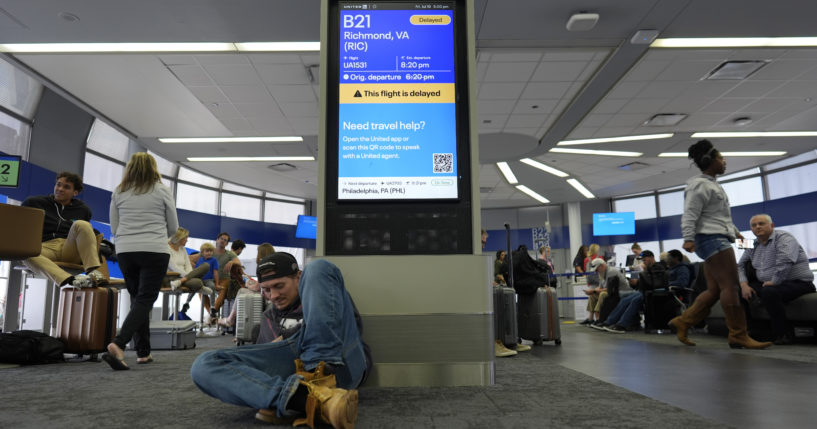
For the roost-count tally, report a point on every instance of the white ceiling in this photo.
(536, 84)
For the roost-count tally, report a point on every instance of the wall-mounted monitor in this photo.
(614, 223)
(9, 171)
(307, 227)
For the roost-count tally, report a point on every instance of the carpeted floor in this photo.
(530, 391)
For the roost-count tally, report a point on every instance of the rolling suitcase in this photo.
(659, 308)
(248, 310)
(538, 316)
(172, 335)
(505, 316)
(505, 327)
(86, 319)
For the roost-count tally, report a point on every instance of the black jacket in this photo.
(58, 219)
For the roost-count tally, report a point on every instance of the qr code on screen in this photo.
(443, 162)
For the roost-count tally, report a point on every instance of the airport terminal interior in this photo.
(561, 114)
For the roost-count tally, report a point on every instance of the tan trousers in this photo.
(79, 248)
(595, 301)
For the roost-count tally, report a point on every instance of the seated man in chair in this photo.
(626, 315)
(781, 275)
(67, 235)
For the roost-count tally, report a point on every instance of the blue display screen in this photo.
(307, 227)
(397, 115)
(614, 223)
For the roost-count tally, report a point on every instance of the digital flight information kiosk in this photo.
(398, 177)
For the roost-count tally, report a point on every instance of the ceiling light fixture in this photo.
(582, 21)
(231, 139)
(506, 171)
(533, 194)
(579, 187)
(734, 42)
(755, 134)
(742, 121)
(665, 119)
(65, 48)
(68, 16)
(250, 158)
(633, 166)
(543, 167)
(278, 46)
(595, 152)
(282, 167)
(735, 70)
(739, 153)
(615, 139)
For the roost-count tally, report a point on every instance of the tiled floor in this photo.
(741, 388)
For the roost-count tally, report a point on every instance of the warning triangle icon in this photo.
(357, 94)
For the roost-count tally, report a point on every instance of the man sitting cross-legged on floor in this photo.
(313, 363)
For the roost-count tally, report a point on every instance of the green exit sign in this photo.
(9, 171)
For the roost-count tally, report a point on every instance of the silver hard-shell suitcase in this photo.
(249, 308)
(538, 316)
(505, 323)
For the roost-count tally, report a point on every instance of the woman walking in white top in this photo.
(707, 228)
(143, 215)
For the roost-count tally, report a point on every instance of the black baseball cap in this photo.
(278, 264)
(647, 253)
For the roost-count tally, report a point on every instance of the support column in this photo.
(574, 227)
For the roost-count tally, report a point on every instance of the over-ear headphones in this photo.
(706, 159)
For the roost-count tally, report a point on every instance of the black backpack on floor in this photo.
(30, 348)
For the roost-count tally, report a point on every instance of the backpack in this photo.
(545, 269)
(654, 277)
(30, 347)
(527, 277)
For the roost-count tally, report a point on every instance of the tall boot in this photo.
(689, 318)
(331, 405)
(736, 322)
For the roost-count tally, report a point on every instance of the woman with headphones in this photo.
(708, 231)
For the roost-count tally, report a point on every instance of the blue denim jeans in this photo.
(263, 375)
(626, 312)
(708, 245)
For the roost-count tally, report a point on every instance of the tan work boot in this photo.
(501, 351)
(736, 322)
(689, 318)
(317, 376)
(331, 405)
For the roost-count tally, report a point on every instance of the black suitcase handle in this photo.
(509, 256)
